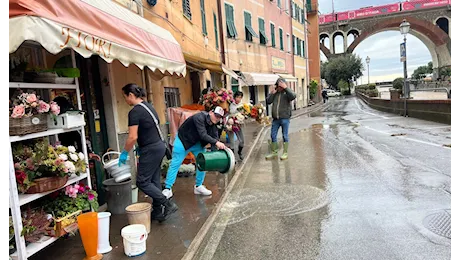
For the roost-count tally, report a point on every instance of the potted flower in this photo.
(28, 114)
(65, 205)
(213, 98)
(42, 167)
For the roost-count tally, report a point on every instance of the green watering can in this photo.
(222, 161)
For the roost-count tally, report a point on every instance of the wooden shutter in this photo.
(216, 34)
(186, 9)
(281, 39)
(272, 32)
(203, 17)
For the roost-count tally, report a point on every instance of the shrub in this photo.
(398, 83)
(372, 86)
(372, 93)
(313, 87)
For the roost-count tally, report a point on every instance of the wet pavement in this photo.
(358, 184)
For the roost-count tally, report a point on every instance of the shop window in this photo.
(172, 97)
(262, 35)
(203, 17)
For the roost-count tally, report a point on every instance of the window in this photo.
(216, 33)
(294, 44)
(279, 3)
(281, 39)
(203, 17)
(262, 35)
(235, 85)
(292, 9)
(186, 9)
(288, 42)
(229, 16)
(303, 49)
(302, 14)
(248, 27)
(172, 97)
(298, 46)
(272, 34)
(287, 6)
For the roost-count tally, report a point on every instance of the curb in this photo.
(196, 242)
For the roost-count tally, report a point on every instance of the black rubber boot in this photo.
(157, 213)
(170, 208)
(240, 153)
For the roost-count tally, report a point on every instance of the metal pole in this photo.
(368, 73)
(406, 89)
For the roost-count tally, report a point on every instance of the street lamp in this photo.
(368, 60)
(404, 28)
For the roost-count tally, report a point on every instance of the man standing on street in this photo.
(281, 98)
(193, 135)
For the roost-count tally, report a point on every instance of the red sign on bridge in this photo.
(382, 10)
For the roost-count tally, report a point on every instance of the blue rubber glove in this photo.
(123, 158)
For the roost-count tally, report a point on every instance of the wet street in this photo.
(358, 184)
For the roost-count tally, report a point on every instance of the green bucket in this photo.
(222, 161)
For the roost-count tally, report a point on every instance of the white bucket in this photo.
(134, 238)
(103, 243)
(119, 173)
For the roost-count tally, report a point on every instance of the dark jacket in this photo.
(281, 108)
(198, 128)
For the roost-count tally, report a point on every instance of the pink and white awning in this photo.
(91, 27)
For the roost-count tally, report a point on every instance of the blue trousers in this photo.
(284, 124)
(178, 155)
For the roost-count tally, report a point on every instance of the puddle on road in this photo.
(271, 200)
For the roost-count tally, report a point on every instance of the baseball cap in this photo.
(219, 111)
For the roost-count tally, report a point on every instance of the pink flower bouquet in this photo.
(29, 104)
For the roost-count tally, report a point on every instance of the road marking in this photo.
(408, 138)
(369, 113)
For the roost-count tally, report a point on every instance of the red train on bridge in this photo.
(381, 10)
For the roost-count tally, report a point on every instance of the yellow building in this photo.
(299, 49)
(314, 62)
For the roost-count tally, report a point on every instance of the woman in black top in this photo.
(143, 130)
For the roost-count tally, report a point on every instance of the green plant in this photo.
(313, 88)
(35, 222)
(343, 87)
(398, 83)
(73, 198)
(372, 86)
(372, 93)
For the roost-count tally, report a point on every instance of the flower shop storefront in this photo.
(256, 86)
(50, 44)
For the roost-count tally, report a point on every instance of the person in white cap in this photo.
(193, 135)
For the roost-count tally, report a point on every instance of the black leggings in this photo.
(148, 171)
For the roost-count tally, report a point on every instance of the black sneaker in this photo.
(170, 208)
(157, 213)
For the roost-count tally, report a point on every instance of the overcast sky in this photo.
(382, 48)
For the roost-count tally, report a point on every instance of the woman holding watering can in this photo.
(144, 131)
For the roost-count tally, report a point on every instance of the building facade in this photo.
(298, 16)
(314, 61)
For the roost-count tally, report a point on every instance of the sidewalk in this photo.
(170, 239)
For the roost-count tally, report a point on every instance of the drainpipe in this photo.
(221, 36)
(307, 74)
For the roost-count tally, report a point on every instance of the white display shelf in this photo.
(42, 134)
(24, 85)
(33, 248)
(27, 198)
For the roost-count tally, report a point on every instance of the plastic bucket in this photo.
(120, 173)
(118, 195)
(134, 237)
(140, 213)
(103, 243)
(222, 161)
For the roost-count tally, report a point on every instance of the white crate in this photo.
(67, 120)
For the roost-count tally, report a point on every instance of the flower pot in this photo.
(28, 125)
(47, 184)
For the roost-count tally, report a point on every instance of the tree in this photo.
(422, 71)
(344, 87)
(344, 67)
(313, 87)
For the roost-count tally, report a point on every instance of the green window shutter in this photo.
(263, 36)
(292, 9)
(231, 29)
(203, 17)
(250, 33)
(281, 39)
(309, 6)
(298, 46)
(303, 16)
(186, 9)
(279, 3)
(272, 32)
(216, 33)
(232, 15)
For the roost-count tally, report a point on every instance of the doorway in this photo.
(253, 94)
(196, 90)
